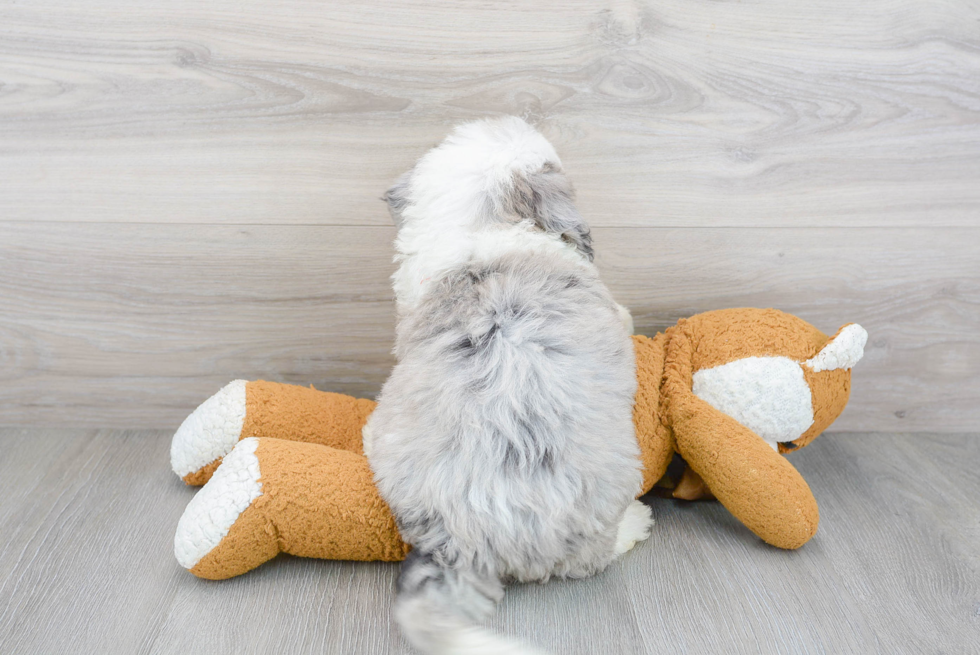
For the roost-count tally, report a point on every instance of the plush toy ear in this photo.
(843, 351)
(546, 196)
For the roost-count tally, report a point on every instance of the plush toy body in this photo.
(729, 391)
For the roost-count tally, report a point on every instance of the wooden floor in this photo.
(189, 190)
(86, 566)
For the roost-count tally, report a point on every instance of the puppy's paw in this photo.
(626, 318)
(636, 525)
(367, 440)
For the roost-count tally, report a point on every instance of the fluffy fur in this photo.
(503, 440)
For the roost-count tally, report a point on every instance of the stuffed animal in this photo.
(729, 391)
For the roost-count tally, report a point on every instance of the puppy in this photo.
(503, 440)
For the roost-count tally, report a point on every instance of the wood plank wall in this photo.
(188, 190)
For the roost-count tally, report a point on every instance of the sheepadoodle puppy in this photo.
(503, 440)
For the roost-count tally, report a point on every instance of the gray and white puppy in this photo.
(503, 440)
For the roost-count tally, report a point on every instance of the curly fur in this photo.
(503, 440)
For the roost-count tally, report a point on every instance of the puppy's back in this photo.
(504, 437)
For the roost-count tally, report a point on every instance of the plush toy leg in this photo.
(757, 484)
(264, 409)
(652, 435)
(691, 487)
(754, 482)
(271, 496)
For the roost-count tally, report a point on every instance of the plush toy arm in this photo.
(757, 485)
(754, 482)
(271, 496)
(264, 409)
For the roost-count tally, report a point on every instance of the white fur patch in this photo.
(636, 525)
(443, 227)
(626, 318)
(367, 439)
(843, 351)
(429, 628)
(768, 395)
(211, 431)
(215, 508)
(447, 248)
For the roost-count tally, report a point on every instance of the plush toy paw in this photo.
(208, 434)
(636, 525)
(264, 409)
(219, 505)
(272, 496)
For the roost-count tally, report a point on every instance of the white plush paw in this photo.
(636, 525)
(211, 431)
(215, 508)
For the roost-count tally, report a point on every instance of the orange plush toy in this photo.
(729, 391)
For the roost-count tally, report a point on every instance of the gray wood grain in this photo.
(134, 325)
(667, 113)
(86, 566)
(182, 183)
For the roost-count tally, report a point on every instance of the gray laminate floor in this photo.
(87, 518)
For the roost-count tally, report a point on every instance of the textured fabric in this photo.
(768, 395)
(725, 335)
(209, 433)
(286, 411)
(654, 437)
(755, 483)
(217, 507)
(202, 475)
(316, 501)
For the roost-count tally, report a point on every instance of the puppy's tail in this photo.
(438, 609)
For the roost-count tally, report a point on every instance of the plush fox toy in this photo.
(730, 391)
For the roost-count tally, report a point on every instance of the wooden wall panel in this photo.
(133, 325)
(916, 291)
(671, 113)
(188, 191)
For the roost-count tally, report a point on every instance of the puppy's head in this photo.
(486, 175)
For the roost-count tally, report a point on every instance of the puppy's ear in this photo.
(397, 197)
(547, 197)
